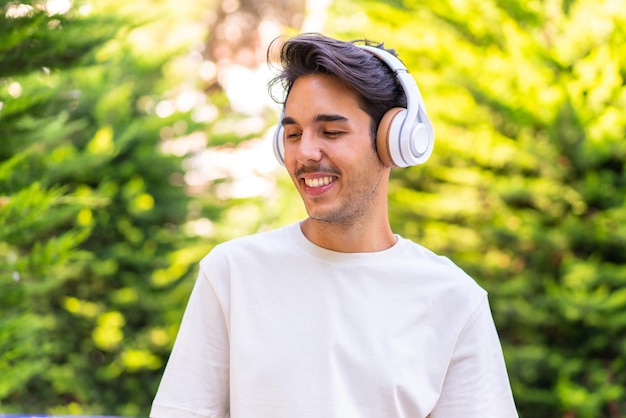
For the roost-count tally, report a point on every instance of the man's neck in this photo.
(361, 237)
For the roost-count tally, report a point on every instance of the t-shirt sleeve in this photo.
(195, 382)
(477, 384)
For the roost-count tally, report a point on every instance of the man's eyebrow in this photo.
(287, 120)
(330, 118)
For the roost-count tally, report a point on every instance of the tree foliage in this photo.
(91, 241)
(527, 187)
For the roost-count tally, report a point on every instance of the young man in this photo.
(336, 316)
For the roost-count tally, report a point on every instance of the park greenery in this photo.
(101, 227)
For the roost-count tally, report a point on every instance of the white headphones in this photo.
(405, 137)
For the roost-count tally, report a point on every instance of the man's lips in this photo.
(316, 182)
(317, 178)
(316, 185)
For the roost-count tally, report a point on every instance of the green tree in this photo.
(92, 248)
(527, 186)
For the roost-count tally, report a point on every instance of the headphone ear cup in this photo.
(420, 143)
(387, 136)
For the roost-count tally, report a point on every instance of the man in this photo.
(337, 316)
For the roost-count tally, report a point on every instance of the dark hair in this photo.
(374, 82)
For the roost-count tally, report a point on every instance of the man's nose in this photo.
(309, 148)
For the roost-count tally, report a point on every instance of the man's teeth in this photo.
(318, 182)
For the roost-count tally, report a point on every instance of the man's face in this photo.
(329, 152)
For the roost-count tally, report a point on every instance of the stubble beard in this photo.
(353, 211)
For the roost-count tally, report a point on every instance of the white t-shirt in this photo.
(277, 327)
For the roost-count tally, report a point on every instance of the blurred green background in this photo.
(134, 136)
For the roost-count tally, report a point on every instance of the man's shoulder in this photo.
(440, 269)
(255, 244)
(430, 257)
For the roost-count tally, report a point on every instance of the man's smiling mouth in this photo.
(319, 181)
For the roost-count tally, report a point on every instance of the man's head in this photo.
(351, 112)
